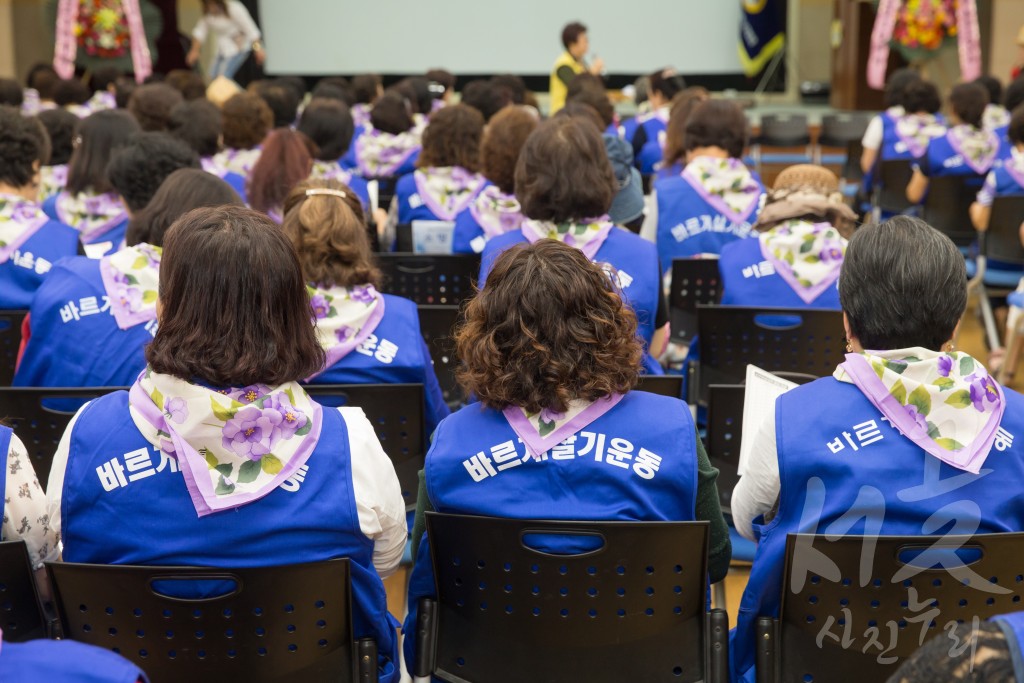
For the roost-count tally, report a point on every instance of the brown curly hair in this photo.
(503, 140)
(452, 138)
(330, 235)
(247, 118)
(549, 327)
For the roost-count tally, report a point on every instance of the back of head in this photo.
(182, 191)
(599, 102)
(563, 173)
(235, 311)
(585, 81)
(896, 86)
(324, 221)
(189, 83)
(668, 83)
(70, 91)
(328, 123)
(993, 87)
(571, 33)
(717, 123)
(151, 105)
(44, 79)
(502, 142)
(485, 97)
(296, 83)
(1014, 96)
(60, 125)
(968, 102)
(1016, 129)
(198, 124)
(139, 167)
(366, 88)
(921, 97)
(99, 137)
(452, 138)
(334, 88)
(286, 160)
(443, 78)
(21, 149)
(419, 93)
(512, 88)
(391, 114)
(247, 118)
(11, 94)
(549, 328)
(104, 78)
(582, 111)
(123, 90)
(683, 105)
(903, 284)
(282, 100)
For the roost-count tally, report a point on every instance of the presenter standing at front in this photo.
(236, 34)
(570, 63)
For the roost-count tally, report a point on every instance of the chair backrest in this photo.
(10, 342)
(725, 436)
(274, 623)
(1002, 239)
(947, 208)
(891, 185)
(662, 385)
(630, 610)
(694, 281)
(396, 413)
(852, 172)
(21, 616)
(855, 609)
(437, 325)
(842, 128)
(784, 130)
(430, 279)
(799, 340)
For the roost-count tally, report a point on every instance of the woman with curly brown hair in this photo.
(247, 119)
(324, 220)
(551, 351)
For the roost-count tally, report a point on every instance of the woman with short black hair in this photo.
(390, 145)
(328, 123)
(60, 126)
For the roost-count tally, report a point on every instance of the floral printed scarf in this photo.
(92, 215)
(330, 170)
(361, 114)
(233, 446)
(995, 117)
(344, 318)
(806, 255)
(946, 403)
(447, 190)
(978, 147)
(240, 161)
(917, 130)
(52, 180)
(131, 277)
(587, 236)
(381, 154)
(727, 185)
(496, 212)
(540, 432)
(19, 220)
(1014, 165)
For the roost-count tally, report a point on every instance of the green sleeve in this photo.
(419, 524)
(708, 508)
(565, 74)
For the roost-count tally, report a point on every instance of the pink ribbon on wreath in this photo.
(67, 44)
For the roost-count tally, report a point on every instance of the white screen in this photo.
(318, 37)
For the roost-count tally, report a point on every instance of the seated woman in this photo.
(329, 125)
(1004, 180)
(495, 210)
(674, 157)
(966, 150)
(551, 351)
(91, 320)
(997, 117)
(895, 108)
(716, 199)
(565, 185)
(368, 337)
(199, 124)
(286, 160)
(391, 145)
(247, 120)
(61, 127)
(649, 139)
(65, 661)
(32, 242)
(218, 426)
(903, 417)
(88, 203)
(801, 238)
(366, 90)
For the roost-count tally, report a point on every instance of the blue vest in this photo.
(348, 159)
(633, 257)
(1006, 185)
(5, 447)
(817, 428)
(405, 192)
(628, 128)
(23, 273)
(745, 285)
(237, 183)
(668, 171)
(115, 235)
(377, 362)
(466, 230)
(943, 160)
(688, 225)
(65, 661)
(305, 520)
(75, 339)
(651, 153)
(582, 481)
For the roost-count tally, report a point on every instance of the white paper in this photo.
(762, 388)
(432, 237)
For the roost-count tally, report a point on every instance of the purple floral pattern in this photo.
(726, 184)
(587, 235)
(808, 256)
(92, 215)
(496, 212)
(917, 130)
(381, 154)
(131, 277)
(447, 190)
(344, 317)
(19, 220)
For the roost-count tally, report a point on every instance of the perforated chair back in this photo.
(10, 342)
(805, 341)
(396, 413)
(630, 610)
(21, 616)
(662, 385)
(841, 128)
(430, 279)
(725, 436)
(784, 130)
(883, 611)
(694, 282)
(947, 208)
(1002, 239)
(289, 623)
(891, 186)
(437, 324)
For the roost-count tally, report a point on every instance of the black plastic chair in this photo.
(806, 342)
(631, 610)
(694, 282)
(947, 208)
(842, 128)
(887, 612)
(782, 130)
(1002, 239)
(437, 325)
(662, 385)
(890, 194)
(852, 172)
(430, 279)
(21, 614)
(288, 623)
(725, 436)
(10, 343)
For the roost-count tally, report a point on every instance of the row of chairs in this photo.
(841, 130)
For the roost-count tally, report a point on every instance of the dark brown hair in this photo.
(598, 101)
(99, 136)
(219, 3)
(182, 191)
(452, 138)
(571, 33)
(366, 87)
(328, 123)
(235, 311)
(1016, 129)
(683, 105)
(329, 235)
(189, 83)
(151, 105)
(503, 141)
(391, 114)
(247, 118)
(549, 327)
(968, 102)
(717, 123)
(286, 160)
(563, 172)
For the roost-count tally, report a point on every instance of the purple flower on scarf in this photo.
(167, 446)
(285, 418)
(548, 415)
(983, 389)
(320, 306)
(363, 294)
(344, 333)
(917, 417)
(248, 433)
(129, 297)
(830, 254)
(24, 212)
(250, 394)
(176, 409)
(945, 365)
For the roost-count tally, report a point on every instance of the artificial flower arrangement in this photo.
(923, 26)
(102, 29)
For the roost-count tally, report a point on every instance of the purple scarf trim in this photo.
(589, 248)
(389, 161)
(718, 203)
(785, 271)
(492, 221)
(461, 179)
(95, 205)
(336, 353)
(983, 163)
(536, 444)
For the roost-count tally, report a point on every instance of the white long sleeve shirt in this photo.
(234, 31)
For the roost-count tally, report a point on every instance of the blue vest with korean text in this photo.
(749, 279)
(65, 661)
(943, 160)
(117, 484)
(836, 456)
(28, 265)
(394, 354)
(637, 462)
(688, 225)
(75, 339)
(652, 152)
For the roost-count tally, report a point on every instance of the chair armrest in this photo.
(426, 637)
(366, 651)
(718, 640)
(766, 659)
